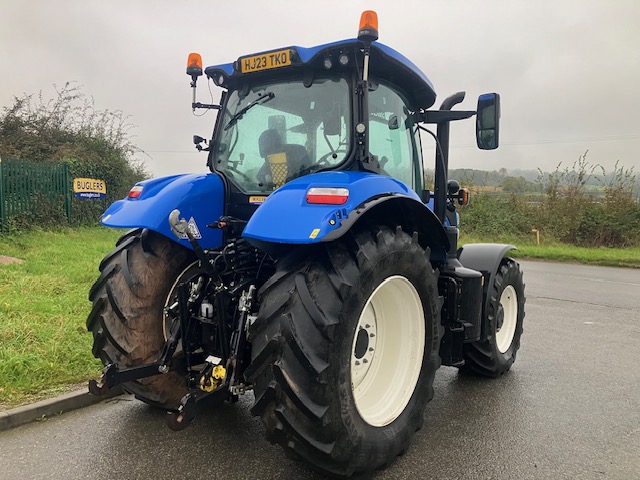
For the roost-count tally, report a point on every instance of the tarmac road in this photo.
(568, 409)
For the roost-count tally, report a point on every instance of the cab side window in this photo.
(391, 135)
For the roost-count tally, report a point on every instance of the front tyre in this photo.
(345, 348)
(504, 315)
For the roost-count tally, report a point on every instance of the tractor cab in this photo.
(297, 111)
(352, 105)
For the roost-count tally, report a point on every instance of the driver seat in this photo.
(284, 161)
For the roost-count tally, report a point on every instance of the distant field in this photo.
(44, 345)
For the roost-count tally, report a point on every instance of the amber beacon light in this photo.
(368, 30)
(194, 65)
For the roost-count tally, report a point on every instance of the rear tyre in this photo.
(344, 350)
(505, 314)
(127, 319)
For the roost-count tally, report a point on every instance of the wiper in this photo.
(263, 99)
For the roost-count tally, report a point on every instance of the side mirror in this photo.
(197, 140)
(488, 121)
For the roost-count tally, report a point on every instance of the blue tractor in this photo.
(312, 265)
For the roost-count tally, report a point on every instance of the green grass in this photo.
(44, 344)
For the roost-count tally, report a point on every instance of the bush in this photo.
(615, 221)
(495, 216)
(68, 129)
(599, 227)
(567, 211)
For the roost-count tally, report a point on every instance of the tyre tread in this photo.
(482, 358)
(289, 365)
(124, 327)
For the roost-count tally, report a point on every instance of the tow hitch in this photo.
(112, 375)
(211, 376)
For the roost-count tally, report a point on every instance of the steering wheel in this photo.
(233, 171)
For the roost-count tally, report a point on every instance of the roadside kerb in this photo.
(52, 406)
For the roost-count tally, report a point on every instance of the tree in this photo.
(517, 185)
(68, 129)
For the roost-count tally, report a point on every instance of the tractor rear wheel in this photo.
(505, 314)
(127, 320)
(344, 350)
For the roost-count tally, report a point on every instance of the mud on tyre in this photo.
(127, 315)
(345, 348)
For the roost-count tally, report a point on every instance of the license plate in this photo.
(265, 61)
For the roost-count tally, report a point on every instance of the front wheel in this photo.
(504, 316)
(345, 348)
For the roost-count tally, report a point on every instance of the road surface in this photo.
(568, 409)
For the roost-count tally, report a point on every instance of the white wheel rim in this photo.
(506, 327)
(387, 351)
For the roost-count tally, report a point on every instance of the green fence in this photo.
(40, 194)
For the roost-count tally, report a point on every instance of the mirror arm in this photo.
(439, 116)
(195, 105)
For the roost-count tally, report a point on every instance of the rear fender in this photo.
(286, 218)
(411, 214)
(199, 197)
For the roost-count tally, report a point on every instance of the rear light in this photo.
(135, 191)
(328, 196)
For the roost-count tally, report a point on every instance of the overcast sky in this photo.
(568, 71)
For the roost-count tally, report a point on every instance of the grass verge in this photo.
(559, 252)
(44, 344)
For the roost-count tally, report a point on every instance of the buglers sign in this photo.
(89, 188)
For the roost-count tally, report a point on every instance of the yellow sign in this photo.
(89, 188)
(265, 61)
(257, 200)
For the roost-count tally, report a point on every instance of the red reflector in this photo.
(328, 196)
(135, 191)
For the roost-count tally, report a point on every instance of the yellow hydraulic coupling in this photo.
(210, 383)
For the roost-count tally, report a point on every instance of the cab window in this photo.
(392, 137)
(275, 132)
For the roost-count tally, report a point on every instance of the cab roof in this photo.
(385, 64)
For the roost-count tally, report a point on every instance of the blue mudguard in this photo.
(199, 197)
(286, 217)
